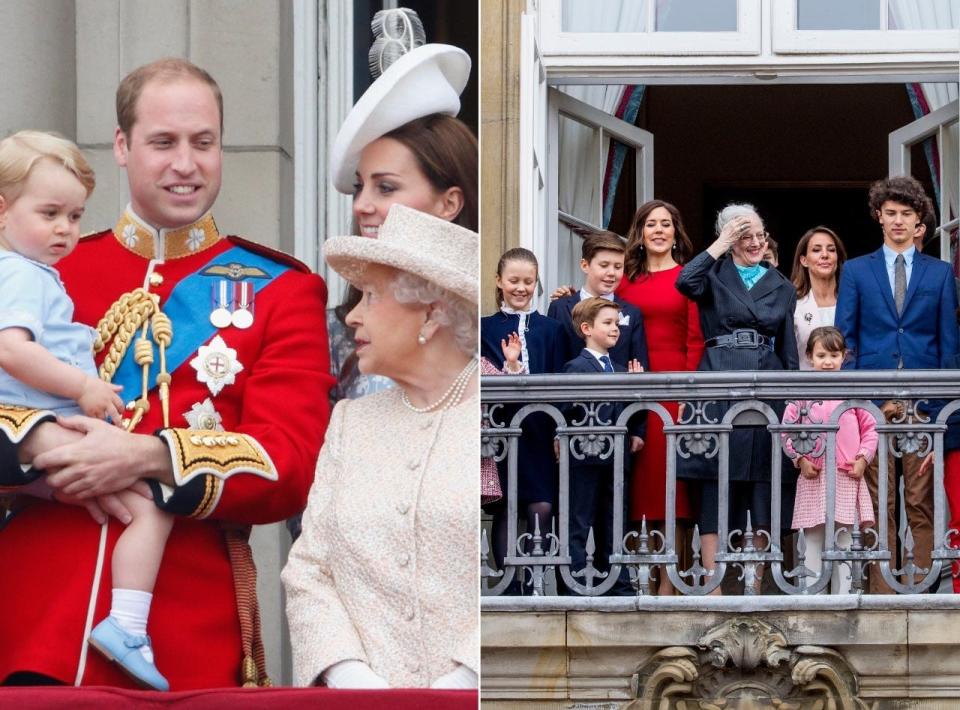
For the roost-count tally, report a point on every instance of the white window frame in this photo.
(626, 58)
(745, 40)
(903, 139)
(323, 71)
(561, 104)
(787, 39)
(533, 144)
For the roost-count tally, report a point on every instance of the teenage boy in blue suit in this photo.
(591, 479)
(602, 264)
(897, 308)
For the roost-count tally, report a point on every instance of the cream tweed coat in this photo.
(385, 570)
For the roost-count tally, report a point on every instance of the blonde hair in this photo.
(20, 153)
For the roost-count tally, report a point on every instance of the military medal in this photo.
(216, 365)
(203, 415)
(222, 302)
(243, 315)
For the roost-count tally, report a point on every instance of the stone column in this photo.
(499, 135)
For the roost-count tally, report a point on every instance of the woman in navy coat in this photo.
(746, 313)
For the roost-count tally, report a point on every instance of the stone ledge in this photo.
(894, 656)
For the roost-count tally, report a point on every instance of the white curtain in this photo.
(580, 179)
(928, 15)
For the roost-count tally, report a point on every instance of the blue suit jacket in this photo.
(924, 336)
(586, 363)
(631, 344)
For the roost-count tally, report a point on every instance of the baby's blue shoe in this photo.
(124, 649)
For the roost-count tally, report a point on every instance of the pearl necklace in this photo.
(451, 397)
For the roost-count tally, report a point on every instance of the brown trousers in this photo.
(918, 500)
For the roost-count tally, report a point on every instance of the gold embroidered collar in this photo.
(164, 244)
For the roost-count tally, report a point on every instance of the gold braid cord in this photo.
(138, 310)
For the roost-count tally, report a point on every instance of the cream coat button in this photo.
(412, 464)
(409, 614)
(403, 507)
(404, 559)
(156, 279)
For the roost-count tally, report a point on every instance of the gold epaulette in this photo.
(16, 422)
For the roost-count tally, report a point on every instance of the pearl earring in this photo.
(422, 339)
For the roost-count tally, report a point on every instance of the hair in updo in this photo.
(450, 309)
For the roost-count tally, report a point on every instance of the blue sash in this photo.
(188, 308)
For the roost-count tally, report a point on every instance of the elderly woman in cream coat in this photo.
(382, 588)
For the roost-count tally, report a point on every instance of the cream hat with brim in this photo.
(424, 81)
(438, 251)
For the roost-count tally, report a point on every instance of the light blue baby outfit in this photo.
(32, 297)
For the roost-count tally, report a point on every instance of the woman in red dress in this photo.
(657, 246)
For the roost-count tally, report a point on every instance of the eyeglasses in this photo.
(750, 238)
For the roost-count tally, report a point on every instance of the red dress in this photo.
(674, 343)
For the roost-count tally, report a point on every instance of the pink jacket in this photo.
(857, 433)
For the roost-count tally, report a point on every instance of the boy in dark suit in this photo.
(602, 263)
(591, 479)
(897, 309)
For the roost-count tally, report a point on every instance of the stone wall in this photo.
(882, 653)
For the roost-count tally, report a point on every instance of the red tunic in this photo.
(674, 343)
(49, 551)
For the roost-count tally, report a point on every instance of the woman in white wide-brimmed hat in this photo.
(402, 144)
(382, 587)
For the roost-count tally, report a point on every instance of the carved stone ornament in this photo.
(745, 664)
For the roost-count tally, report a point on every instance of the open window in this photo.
(930, 146)
(593, 155)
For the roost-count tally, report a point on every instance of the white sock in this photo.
(130, 610)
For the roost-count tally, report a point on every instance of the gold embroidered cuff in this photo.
(17, 422)
(196, 452)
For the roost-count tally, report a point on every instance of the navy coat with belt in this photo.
(924, 336)
(726, 305)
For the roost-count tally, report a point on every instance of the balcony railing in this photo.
(508, 400)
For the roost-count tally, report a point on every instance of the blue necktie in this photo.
(607, 365)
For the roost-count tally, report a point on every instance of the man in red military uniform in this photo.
(221, 348)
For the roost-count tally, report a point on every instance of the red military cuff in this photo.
(15, 424)
(202, 461)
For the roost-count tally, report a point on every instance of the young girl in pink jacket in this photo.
(856, 444)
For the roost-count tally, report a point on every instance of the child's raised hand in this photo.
(511, 350)
(807, 469)
(636, 443)
(99, 399)
(634, 366)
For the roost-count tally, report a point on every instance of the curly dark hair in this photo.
(899, 188)
(635, 263)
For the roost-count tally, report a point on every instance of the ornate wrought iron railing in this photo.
(754, 397)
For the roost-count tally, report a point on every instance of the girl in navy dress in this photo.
(540, 352)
